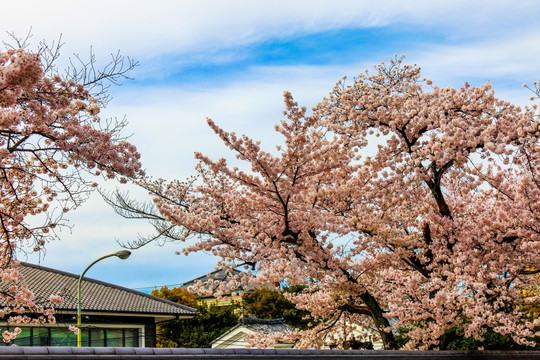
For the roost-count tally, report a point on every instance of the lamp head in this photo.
(122, 254)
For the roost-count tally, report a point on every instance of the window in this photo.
(24, 338)
(62, 336)
(96, 338)
(115, 337)
(132, 337)
(40, 336)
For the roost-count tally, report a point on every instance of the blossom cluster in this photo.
(50, 132)
(397, 203)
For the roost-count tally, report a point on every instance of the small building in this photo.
(359, 337)
(235, 337)
(213, 280)
(112, 315)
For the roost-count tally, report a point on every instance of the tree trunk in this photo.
(380, 321)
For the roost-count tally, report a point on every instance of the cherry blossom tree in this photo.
(397, 202)
(50, 137)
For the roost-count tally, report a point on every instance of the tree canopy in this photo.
(50, 135)
(394, 199)
(199, 332)
(267, 303)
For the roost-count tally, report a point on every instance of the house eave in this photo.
(157, 316)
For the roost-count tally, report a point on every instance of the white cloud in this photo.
(168, 121)
(500, 57)
(94, 235)
(147, 29)
(169, 124)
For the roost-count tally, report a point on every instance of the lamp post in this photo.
(123, 254)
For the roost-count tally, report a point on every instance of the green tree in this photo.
(199, 332)
(455, 339)
(272, 304)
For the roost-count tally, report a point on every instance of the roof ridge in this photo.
(210, 273)
(45, 268)
(261, 321)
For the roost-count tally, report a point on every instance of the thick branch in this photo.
(381, 323)
(435, 187)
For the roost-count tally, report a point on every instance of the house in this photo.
(213, 280)
(112, 315)
(235, 337)
(357, 335)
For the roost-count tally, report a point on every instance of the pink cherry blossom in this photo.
(49, 135)
(396, 205)
(56, 299)
(74, 329)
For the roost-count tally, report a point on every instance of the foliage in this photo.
(395, 199)
(531, 295)
(50, 136)
(178, 295)
(455, 339)
(199, 332)
(267, 303)
(355, 344)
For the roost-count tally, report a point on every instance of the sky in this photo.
(231, 61)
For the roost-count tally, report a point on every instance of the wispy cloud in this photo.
(164, 26)
(232, 60)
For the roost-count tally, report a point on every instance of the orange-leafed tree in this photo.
(178, 295)
(210, 322)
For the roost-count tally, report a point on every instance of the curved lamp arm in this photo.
(123, 254)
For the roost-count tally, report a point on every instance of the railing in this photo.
(21, 352)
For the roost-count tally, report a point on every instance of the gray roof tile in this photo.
(97, 295)
(266, 326)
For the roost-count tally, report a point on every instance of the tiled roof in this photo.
(221, 276)
(96, 296)
(266, 326)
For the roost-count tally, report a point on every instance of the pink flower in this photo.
(56, 299)
(74, 329)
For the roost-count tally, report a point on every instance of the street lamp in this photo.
(122, 254)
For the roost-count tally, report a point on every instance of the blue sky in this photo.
(232, 60)
(325, 48)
